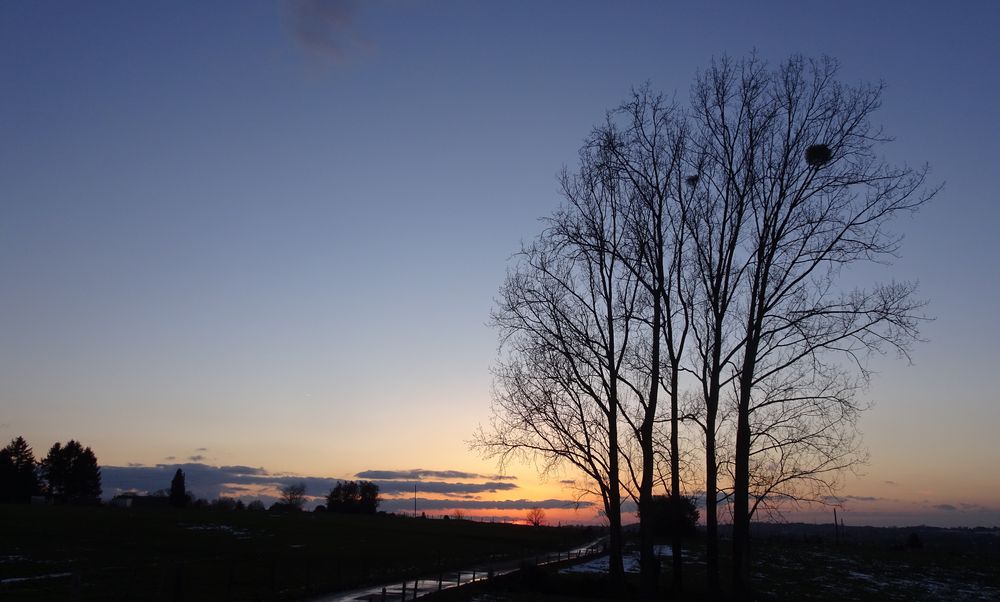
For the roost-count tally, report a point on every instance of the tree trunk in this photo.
(677, 581)
(649, 565)
(711, 512)
(711, 464)
(741, 480)
(741, 509)
(616, 566)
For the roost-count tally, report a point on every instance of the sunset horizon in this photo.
(499, 257)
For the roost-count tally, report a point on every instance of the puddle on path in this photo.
(449, 579)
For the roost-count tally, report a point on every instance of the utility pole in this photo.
(836, 526)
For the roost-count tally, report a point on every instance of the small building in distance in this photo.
(137, 500)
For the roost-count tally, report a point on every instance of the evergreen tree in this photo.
(178, 493)
(18, 472)
(71, 474)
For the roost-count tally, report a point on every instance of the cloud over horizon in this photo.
(212, 481)
(423, 504)
(420, 474)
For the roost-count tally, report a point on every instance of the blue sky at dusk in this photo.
(269, 234)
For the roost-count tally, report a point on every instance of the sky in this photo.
(261, 239)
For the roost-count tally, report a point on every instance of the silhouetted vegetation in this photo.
(71, 474)
(536, 517)
(18, 473)
(697, 255)
(178, 491)
(67, 475)
(353, 497)
(662, 518)
(293, 497)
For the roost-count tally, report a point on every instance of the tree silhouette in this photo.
(664, 508)
(71, 474)
(566, 314)
(293, 497)
(536, 517)
(178, 492)
(18, 473)
(792, 191)
(353, 497)
(642, 145)
(697, 256)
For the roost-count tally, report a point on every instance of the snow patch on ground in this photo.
(219, 528)
(630, 561)
(33, 578)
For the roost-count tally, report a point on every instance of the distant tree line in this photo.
(347, 497)
(69, 474)
(353, 497)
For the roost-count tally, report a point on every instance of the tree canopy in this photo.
(71, 474)
(353, 497)
(18, 473)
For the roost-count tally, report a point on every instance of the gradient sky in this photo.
(268, 234)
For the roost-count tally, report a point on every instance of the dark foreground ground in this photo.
(800, 562)
(59, 553)
(98, 553)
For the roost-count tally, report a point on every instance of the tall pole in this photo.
(414, 500)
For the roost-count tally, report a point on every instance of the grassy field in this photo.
(64, 553)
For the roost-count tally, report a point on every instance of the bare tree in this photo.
(536, 517)
(704, 249)
(293, 496)
(794, 192)
(642, 146)
(565, 315)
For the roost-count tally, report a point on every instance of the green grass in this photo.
(118, 554)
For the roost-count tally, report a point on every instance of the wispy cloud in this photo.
(422, 474)
(196, 458)
(521, 504)
(442, 487)
(326, 29)
(416, 473)
(834, 499)
(945, 507)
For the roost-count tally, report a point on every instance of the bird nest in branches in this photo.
(818, 155)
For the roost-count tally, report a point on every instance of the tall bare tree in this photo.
(698, 255)
(791, 171)
(642, 147)
(565, 315)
